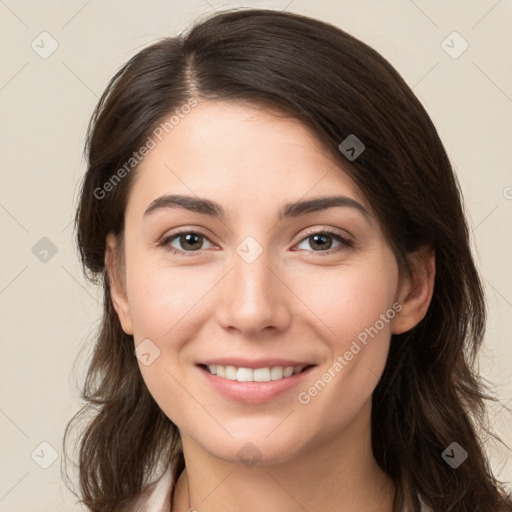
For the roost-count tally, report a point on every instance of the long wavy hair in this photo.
(430, 393)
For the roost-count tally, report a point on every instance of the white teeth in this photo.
(253, 375)
(244, 375)
(230, 373)
(288, 371)
(261, 374)
(276, 373)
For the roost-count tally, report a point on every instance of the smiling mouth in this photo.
(265, 374)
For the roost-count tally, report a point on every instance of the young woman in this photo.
(291, 307)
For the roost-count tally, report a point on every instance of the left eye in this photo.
(321, 239)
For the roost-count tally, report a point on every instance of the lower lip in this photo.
(253, 392)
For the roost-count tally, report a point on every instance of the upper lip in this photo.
(240, 362)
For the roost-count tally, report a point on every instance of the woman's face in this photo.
(259, 286)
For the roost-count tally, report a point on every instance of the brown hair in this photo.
(430, 393)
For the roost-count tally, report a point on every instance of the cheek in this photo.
(163, 302)
(160, 297)
(355, 309)
(350, 299)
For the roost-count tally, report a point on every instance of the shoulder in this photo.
(156, 497)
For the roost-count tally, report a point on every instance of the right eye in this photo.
(187, 240)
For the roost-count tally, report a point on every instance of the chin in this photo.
(258, 449)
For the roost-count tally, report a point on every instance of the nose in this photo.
(254, 297)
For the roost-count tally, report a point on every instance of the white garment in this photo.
(157, 497)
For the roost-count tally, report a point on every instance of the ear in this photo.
(415, 293)
(117, 283)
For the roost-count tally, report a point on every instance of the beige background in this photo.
(47, 308)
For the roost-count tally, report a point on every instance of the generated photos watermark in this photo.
(158, 133)
(304, 397)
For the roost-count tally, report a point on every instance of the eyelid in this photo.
(345, 235)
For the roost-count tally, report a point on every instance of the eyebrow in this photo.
(291, 209)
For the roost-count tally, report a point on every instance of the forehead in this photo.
(235, 152)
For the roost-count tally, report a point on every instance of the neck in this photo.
(337, 474)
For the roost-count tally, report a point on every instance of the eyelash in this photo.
(345, 242)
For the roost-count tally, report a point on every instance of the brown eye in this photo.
(186, 242)
(190, 241)
(322, 242)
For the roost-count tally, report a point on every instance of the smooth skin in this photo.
(302, 298)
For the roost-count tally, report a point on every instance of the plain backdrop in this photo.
(48, 311)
